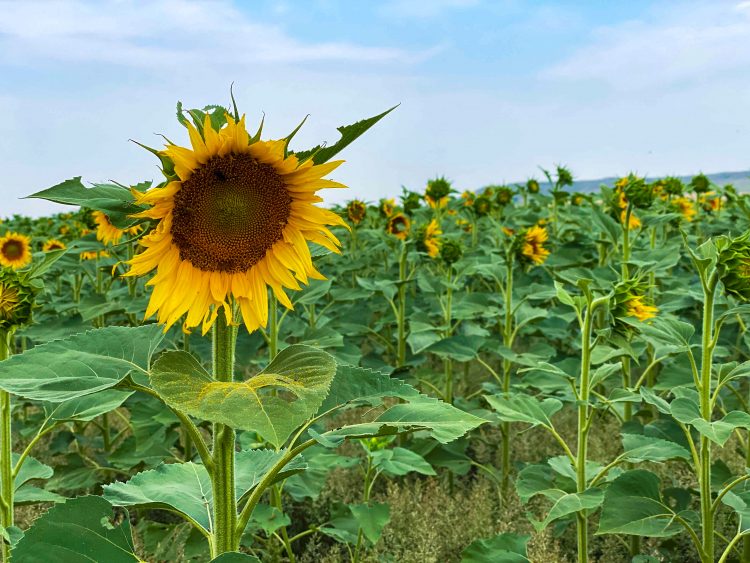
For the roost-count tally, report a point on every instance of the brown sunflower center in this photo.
(12, 249)
(229, 213)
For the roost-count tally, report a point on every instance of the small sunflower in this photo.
(464, 225)
(356, 211)
(468, 197)
(637, 307)
(532, 186)
(107, 233)
(53, 244)
(15, 250)
(16, 300)
(234, 220)
(532, 247)
(398, 226)
(387, 207)
(711, 201)
(685, 206)
(429, 241)
(93, 255)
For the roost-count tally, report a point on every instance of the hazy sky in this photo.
(489, 90)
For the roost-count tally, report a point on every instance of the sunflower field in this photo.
(220, 366)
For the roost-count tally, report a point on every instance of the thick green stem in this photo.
(508, 343)
(583, 430)
(626, 242)
(225, 503)
(401, 320)
(6, 448)
(707, 516)
(447, 321)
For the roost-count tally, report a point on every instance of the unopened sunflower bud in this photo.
(438, 188)
(638, 192)
(673, 186)
(411, 201)
(700, 184)
(532, 186)
(733, 265)
(451, 251)
(503, 195)
(482, 205)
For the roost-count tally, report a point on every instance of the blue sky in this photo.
(489, 90)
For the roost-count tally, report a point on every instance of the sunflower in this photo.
(53, 244)
(636, 307)
(93, 255)
(429, 240)
(532, 244)
(710, 201)
(387, 207)
(234, 220)
(468, 197)
(465, 225)
(622, 203)
(16, 300)
(356, 211)
(398, 226)
(15, 250)
(9, 302)
(436, 204)
(107, 233)
(685, 206)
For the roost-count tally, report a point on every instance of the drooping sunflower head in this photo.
(53, 244)
(356, 210)
(233, 219)
(530, 243)
(16, 300)
(429, 239)
(700, 184)
(399, 226)
(482, 205)
(564, 176)
(437, 189)
(631, 299)
(673, 186)
(15, 250)
(451, 251)
(107, 233)
(733, 265)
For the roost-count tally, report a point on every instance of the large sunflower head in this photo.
(107, 233)
(399, 226)
(53, 244)
(15, 250)
(531, 245)
(233, 219)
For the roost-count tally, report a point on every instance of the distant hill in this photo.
(740, 181)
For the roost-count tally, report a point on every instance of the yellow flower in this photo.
(685, 206)
(387, 206)
(533, 241)
(431, 240)
(464, 224)
(468, 197)
(508, 232)
(439, 204)
(398, 226)
(53, 244)
(356, 211)
(635, 307)
(15, 250)
(710, 201)
(9, 301)
(634, 222)
(93, 255)
(64, 229)
(107, 233)
(235, 221)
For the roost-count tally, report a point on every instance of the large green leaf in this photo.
(400, 461)
(686, 410)
(440, 420)
(633, 505)
(273, 403)
(79, 529)
(371, 518)
(503, 548)
(524, 408)
(569, 503)
(647, 448)
(82, 364)
(115, 201)
(349, 133)
(185, 488)
(88, 407)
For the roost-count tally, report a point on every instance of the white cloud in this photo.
(421, 9)
(682, 44)
(162, 34)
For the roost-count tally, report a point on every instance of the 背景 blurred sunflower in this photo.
(15, 250)
(234, 220)
(429, 241)
(532, 247)
(107, 233)
(356, 210)
(53, 244)
(398, 226)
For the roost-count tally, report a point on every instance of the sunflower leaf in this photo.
(349, 133)
(300, 376)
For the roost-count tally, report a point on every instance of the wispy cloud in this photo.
(675, 46)
(164, 33)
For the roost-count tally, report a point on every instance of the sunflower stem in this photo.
(6, 448)
(402, 276)
(508, 343)
(225, 503)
